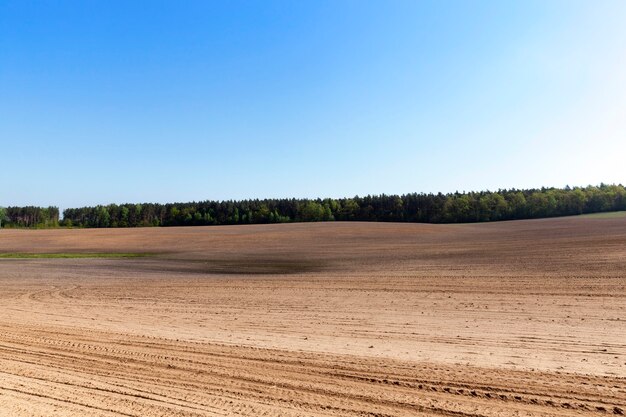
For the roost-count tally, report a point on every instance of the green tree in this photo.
(262, 215)
(457, 209)
(124, 216)
(494, 207)
(103, 217)
(349, 209)
(311, 211)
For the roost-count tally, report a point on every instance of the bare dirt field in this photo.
(524, 318)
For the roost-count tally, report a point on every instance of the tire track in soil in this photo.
(113, 374)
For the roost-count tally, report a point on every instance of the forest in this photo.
(415, 207)
(29, 216)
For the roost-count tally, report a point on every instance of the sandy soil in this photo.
(523, 318)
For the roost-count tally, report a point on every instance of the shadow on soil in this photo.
(253, 266)
(259, 266)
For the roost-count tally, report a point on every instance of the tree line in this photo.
(29, 216)
(415, 207)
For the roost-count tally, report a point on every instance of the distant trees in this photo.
(313, 211)
(426, 208)
(29, 216)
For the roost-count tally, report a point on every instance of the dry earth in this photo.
(524, 318)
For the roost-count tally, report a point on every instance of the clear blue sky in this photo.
(128, 101)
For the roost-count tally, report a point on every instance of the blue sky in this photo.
(105, 101)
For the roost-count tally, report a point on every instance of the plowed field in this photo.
(524, 318)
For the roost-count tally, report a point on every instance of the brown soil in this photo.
(524, 318)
